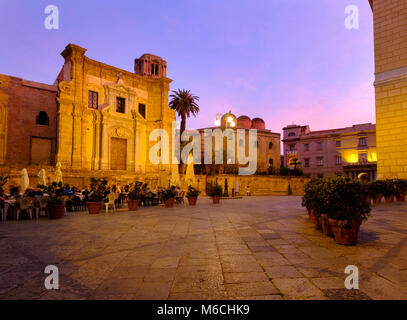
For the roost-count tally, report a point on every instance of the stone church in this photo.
(95, 120)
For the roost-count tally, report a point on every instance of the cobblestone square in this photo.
(253, 248)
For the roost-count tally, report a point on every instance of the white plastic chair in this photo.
(23, 203)
(111, 197)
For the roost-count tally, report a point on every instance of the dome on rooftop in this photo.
(258, 123)
(244, 122)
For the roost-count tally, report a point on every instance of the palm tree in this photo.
(185, 104)
(294, 162)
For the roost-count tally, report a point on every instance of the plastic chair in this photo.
(111, 197)
(23, 203)
(42, 205)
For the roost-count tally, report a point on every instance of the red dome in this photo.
(259, 124)
(244, 122)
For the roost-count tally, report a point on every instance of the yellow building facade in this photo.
(105, 115)
(390, 37)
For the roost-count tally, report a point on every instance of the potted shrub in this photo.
(346, 207)
(401, 189)
(56, 204)
(169, 196)
(94, 203)
(376, 190)
(313, 200)
(390, 191)
(216, 193)
(133, 198)
(192, 195)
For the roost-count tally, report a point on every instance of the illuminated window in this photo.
(320, 161)
(338, 160)
(306, 163)
(363, 157)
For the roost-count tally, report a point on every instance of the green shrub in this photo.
(377, 188)
(313, 198)
(346, 199)
(135, 193)
(169, 193)
(192, 192)
(55, 192)
(216, 191)
(401, 187)
(98, 188)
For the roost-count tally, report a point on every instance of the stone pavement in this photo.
(253, 248)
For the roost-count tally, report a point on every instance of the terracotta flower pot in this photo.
(401, 198)
(312, 216)
(56, 211)
(94, 207)
(378, 199)
(133, 204)
(318, 224)
(192, 201)
(169, 203)
(326, 228)
(389, 199)
(346, 236)
(216, 199)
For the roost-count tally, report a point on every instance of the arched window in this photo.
(291, 134)
(42, 119)
(270, 145)
(270, 163)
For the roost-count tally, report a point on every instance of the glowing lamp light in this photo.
(353, 158)
(373, 157)
(230, 120)
(217, 122)
(232, 124)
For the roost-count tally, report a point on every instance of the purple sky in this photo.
(287, 61)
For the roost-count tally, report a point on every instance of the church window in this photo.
(120, 105)
(42, 119)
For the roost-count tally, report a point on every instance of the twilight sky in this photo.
(287, 61)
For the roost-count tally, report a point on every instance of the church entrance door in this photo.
(118, 154)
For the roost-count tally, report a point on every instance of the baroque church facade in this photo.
(95, 120)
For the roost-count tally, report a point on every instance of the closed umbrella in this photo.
(43, 177)
(58, 173)
(25, 181)
(190, 174)
(163, 179)
(175, 181)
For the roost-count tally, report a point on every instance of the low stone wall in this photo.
(259, 185)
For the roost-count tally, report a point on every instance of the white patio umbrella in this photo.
(43, 177)
(190, 174)
(25, 180)
(58, 173)
(175, 181)
(163, 179)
